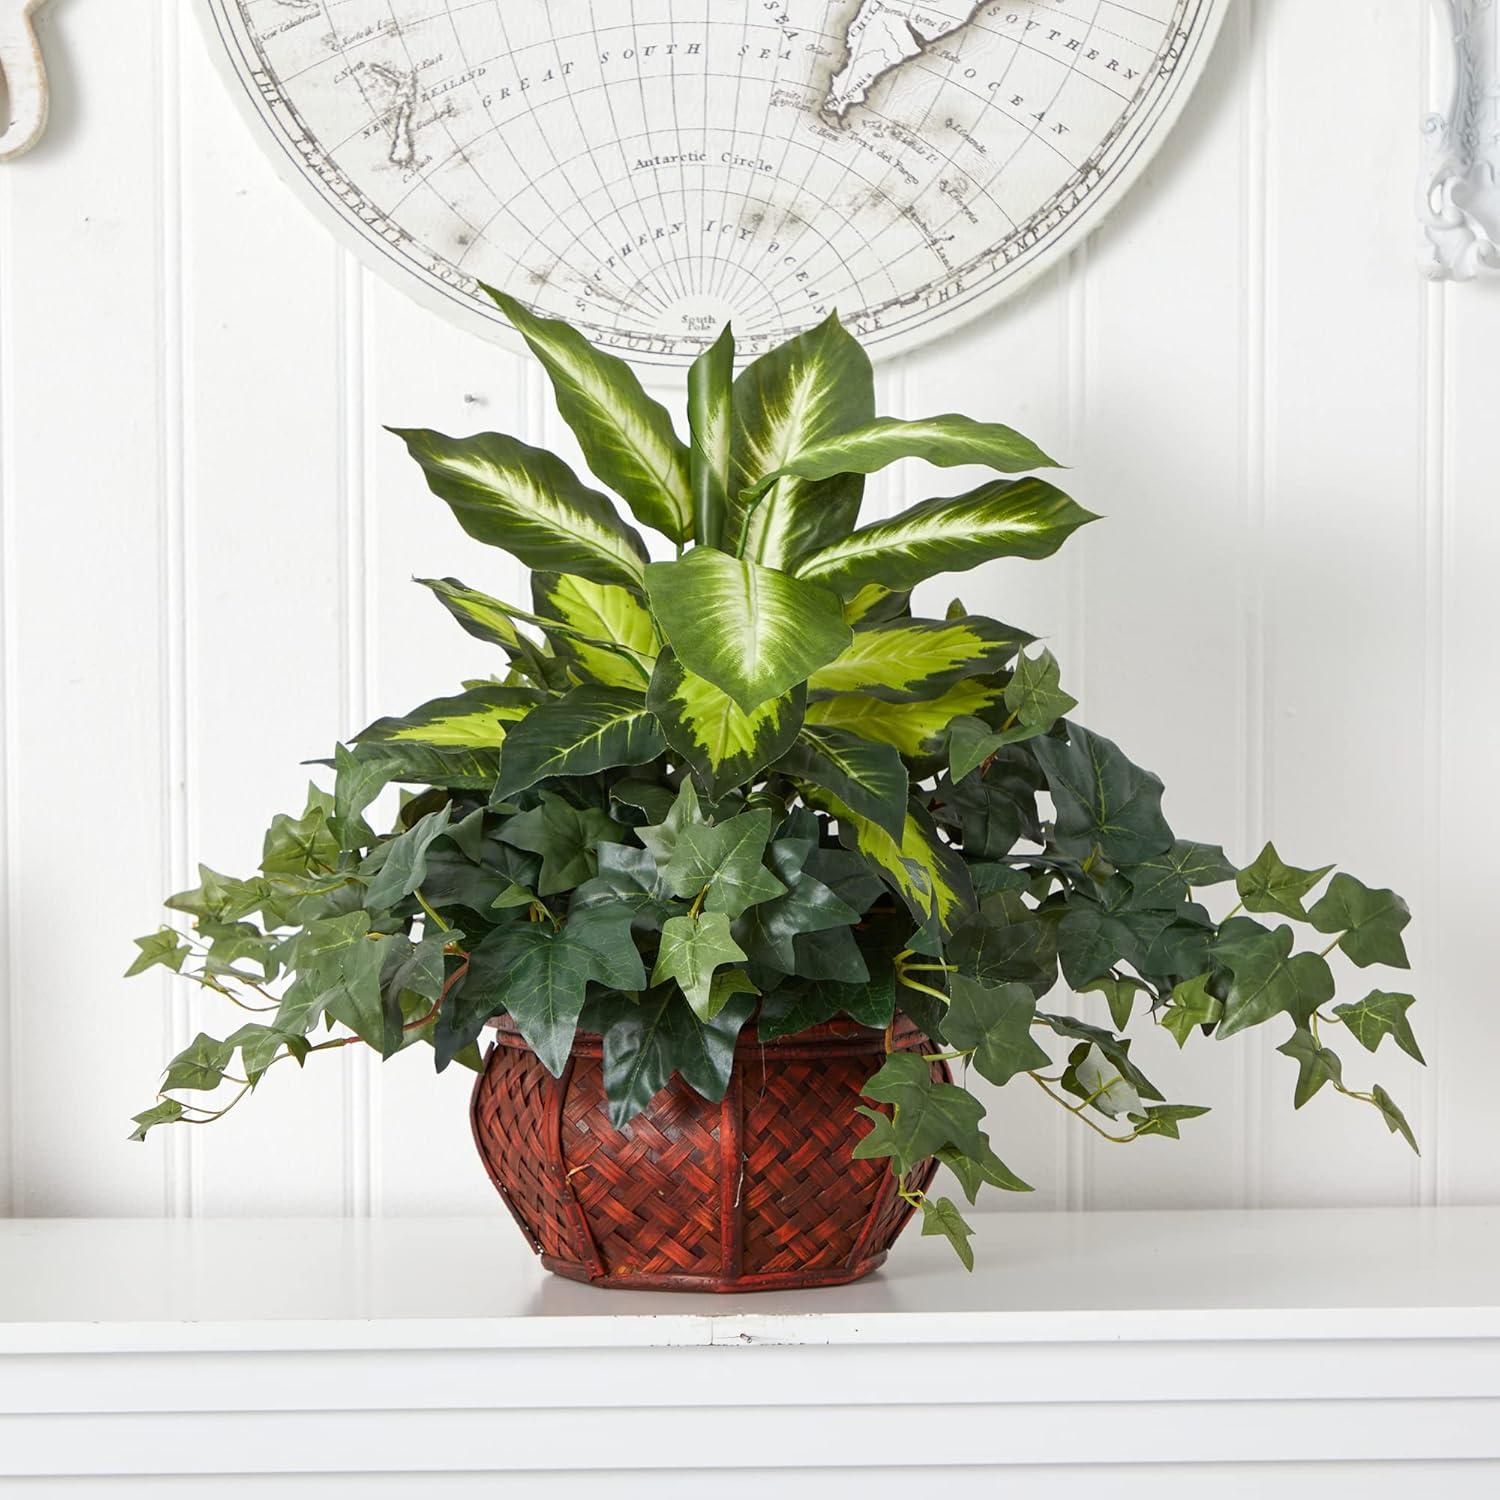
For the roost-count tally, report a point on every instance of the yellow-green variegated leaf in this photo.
(627, 438)
(599, 612)
(724, 745)
(869, 778)
(876, 602)
(489, 620)
(588, 730)
(477, 718)
(900, 660)
(924, 871)
(753, 632)
(945, 441)
(711, 420)
(528, 501)
(810, 388)
(916, 729)
(1005, 518)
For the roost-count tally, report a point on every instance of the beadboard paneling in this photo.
(206, 542)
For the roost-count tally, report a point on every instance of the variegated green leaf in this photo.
(476, 718)
(945, 441)
(458, 768)
(599, 612)
(874, 602)
(723, 744)
(487, 619)
(811, 388)
(590, 729)
(1005, 518)
(528, 501)
(924, 871)
(752, 631)
(869, 777)
(711, 420)
(915, 729)
(626, 437)
(901, 660)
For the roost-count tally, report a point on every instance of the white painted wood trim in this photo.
(25, 77)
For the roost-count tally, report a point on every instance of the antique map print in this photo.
(651, 169)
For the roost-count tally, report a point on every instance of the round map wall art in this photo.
(650, 169)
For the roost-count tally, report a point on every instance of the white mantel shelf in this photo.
(1177, 1350)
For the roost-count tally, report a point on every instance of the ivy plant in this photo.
(748, 783)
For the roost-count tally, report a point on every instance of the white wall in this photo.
(207, 542)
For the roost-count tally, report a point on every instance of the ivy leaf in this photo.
(165, 947)
(1093, 1077)
(1092, 941)
(940, 1216)
(1116, 1049)
(163, 1113)
(259, 1047)
(1034, 693)
(691, 949)
(544, 975)
(986, 1170)
(1166, 879)
(565, 836)
(871, 778)
(299, 846)
(1378, 1015)
(605, 932)
(995, 1023)
(1102, 800)
(627, 879)
(356, 784)
(1371, 922)
(200, 1065)
(1163, 1119)
(1395, 1121)
(1192, 1006)
(971, 742)
(701, 1047)
(880, 1140)
(1316, 1065)
(356, 999)
(1119, 995)
(661, 838)
(637, 1058)
(1267, 979)
(770, 930)
(725, 859)
(752, 632)
(1272, 885)
(588, 730)
(403, 861)
(927, 1115)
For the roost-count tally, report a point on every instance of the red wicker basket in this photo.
(759, 1192)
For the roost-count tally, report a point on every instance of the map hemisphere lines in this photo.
(650, 169)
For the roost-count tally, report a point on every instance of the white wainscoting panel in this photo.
(206, 542)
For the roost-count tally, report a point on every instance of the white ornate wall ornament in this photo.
(1459, 197)
(24, 76)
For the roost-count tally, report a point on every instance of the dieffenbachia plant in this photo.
(748, 783)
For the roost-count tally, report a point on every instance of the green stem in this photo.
(1077, 1112)
(431, 914)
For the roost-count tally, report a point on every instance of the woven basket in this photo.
(759, 1192)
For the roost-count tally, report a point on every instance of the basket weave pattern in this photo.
(759, 1191)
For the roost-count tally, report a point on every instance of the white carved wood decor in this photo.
(1459, 196)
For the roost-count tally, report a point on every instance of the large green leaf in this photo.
(403, 860)
(1165, 879)
(625, 436)
(927, 874)
(751, 631)
(928, 1114)
(566, 837)
(810, 388)
(1371, 922)
(903, 660)
(771, 931)
(1005, 518)
(590, 729)
(1102, 799)
(528, 501)
(476, 719)
(599, 612)
(917, 730)
(724, 860)
(711, 421)
(702, 1049)
(946, 441)
(691, 949)
(487, 619)
(994, 1022)
(637, 1044)
(456, 767)
(544, 978)
(1267, 978)
(868, 777)
(723, 744)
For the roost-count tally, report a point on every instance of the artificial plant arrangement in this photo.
(747, 791)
